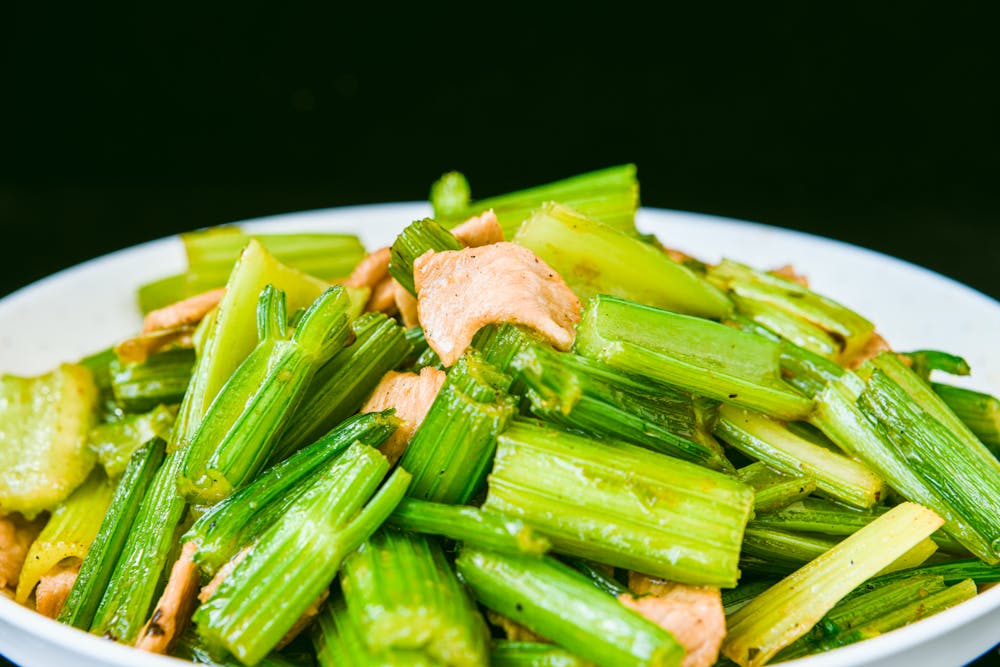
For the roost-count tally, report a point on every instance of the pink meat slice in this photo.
(411, 395)
(479, 230)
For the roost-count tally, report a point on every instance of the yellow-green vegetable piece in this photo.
(43, 437)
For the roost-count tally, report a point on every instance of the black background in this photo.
(875, 123)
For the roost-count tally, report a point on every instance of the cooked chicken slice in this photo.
(479, 231)
(875, 346)
(411, 395)
(692, 614)
(173, 609)
(461, 291)
(371, 270)
(515, 631)
(54, 587)
(137, 349)
(208, 590)
(16, 536)
(183, 313)
(788, 273)
(383, 297)
(406, 304)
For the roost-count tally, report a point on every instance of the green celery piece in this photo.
(619, 504)
(451, 451)
(471, 525)
(774, 489)
(734, 599)
(68, 532)
(162, 292)
(559, 603)
(161, 379)
(774, 296)
(95, 572)
(235, 522)
(979, 411)
(115, 442)
(952, 572)
(837, 476)
(625, 266)
(341, 385)
(416, 239)
(698, 355)
(924, 361)
(597, 575)
(99, 365)
(499, 344)
(233, 335)
(508, 653)
(254, 607)
(189, 647)
(338, 641)
(790, 608)
(610, 195)
(404, 595)
(243, 425)
(771, 552)
(450, 194)
(787, 327)
(44, 422)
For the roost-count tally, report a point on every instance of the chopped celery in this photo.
(419, 237)
(597, 574)
(734, 599)
(774, 489)
(837, 476)
(43, 437)
(698, 355)
(450, 194)
(404, 595)
(114, 442)
(114, 529)
(925, 361)
(625, 266)
(485, 530)
(159, 380)
(508, 653)
(979, 411)
(772, 552)
(557, 602)
(338, 642)
(952, 572)
(637, 509)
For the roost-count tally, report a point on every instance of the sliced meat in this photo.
(875, 346)
(208, 590)
(383, 297)
(139, 348)
(183, 313)
(479, 231)
(788, 273)
(54, 587)
(461, 291)
(515, 631)
(692, 614)
(411, 395)
(370, 271)
(406, 304)
(16, 536)
(173, 609)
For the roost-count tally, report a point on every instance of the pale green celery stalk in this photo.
(597, 575)
(508, 653)
(638, 509)
(484, 530)
(557, 602)
(698, 355)
(44, 423)
(404, 595)
(114, 442)
(979, 411)
(256, 605)
(338, 642)
(592, 397)
(159, 380)
(68, 532)
(837, 476)
(734, 599)
(500, 343)
(99, 365)
(952, 572)
(162, 292)
(830, 329)
(790, 608)
(341, 385)
(610, 195)
(924, 361)
(235, 522)
(451, 451)
(450, 194)
(625, 266)
(774, 489)
(244, 423)
(107, 544)
(189, 647)
(416, 239)
(771, 552)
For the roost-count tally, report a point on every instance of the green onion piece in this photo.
(610, 195)
(925, 361)
(341, 385)
(485, 530)
(404, 595)
(236, 521)
(700, 356)
(559, 603)
(115, 442)
(95, 572)
(637, 509)
(979, 411)
(416, 239)
(625, 266)
(452, 449)
(44, 422)
(507, 653)
(774, 489)
(594, 398)
(255, 605)
(790, 608)
(160, 379)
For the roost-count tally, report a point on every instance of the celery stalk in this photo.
(531, 654)
(416, 239)
(160, 379)
(774, 489)
(114, 442)
(979, 411)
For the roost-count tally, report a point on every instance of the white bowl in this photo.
(84, 309)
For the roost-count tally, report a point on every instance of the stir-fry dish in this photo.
(523, 434)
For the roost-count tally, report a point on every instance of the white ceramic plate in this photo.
(86, 308)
